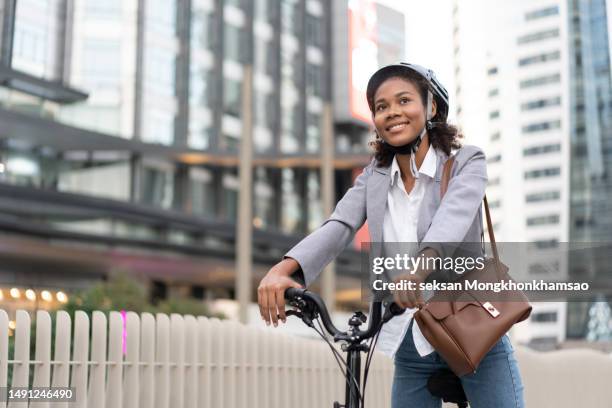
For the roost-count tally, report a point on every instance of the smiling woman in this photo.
(399, 195)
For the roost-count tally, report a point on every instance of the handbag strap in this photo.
(446, 175)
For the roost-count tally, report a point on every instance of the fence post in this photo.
(192, 358)
(217, 357)
(147, 356)
(42, 371)
(80, 357)
(252, 361)
(132, 370)
(205, 334)
(162, 358)
(4, 357)
(61, 355)
(97, 378)
(21, 369)
(177, 358)
(115, 360)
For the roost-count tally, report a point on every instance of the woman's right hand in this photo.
(271, 290)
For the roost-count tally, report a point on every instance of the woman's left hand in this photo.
(407, 298)
(413, 298)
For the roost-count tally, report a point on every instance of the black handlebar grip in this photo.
(291, 293)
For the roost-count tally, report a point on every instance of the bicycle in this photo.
(310, 308)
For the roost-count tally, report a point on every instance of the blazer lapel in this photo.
(431, 199)
(378, 187)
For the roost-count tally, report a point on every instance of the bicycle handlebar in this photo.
(310, 302)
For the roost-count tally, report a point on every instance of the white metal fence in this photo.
(182, 361)
(176, 361)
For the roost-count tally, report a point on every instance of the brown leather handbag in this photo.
(463, 327)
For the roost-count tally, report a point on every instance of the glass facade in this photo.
(128, 56)
(591, 143)
(37, 30)
(591, 136)
(201, 80)
(290, 77)
(159, 104)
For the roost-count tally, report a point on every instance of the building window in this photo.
(536, 150)
(548, 172)
(313, 133)
(543, 80)
(492, 71)
(161, 16)
(158, 126)
(544, 268)
(314, 31)
(264, 110)
(538, 36)
(265, 10)
(234, 43)
(314, 80)
(546, 243)
(494, 159)
(544, 317)
(159, 71)
(541, 103)
(37, 37)
(200, 82)
(493, 92)
(495, 136)
(107, 9)
(542, 196)
(495, 204)
(536, 59)
(202, 192)
(265, 57)
(263, 211)
(290, 16)
(315, 209)
(230, 185)
(494, 115)
(551, 219)
(291, 213)
(201, 29)
(100, 63)
(157, 186)
(545, 12)
(232, 97)
(235, 3)
(541, 126)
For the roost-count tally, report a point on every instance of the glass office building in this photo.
(533, 87)
(121, 124)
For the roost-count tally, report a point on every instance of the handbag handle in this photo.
(446, 175)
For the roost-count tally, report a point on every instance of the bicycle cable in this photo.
(340, 361)
(369, 357)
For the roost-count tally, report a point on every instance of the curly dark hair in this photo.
(443, 136)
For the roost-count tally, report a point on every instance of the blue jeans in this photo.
(496, 383)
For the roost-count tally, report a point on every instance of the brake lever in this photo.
(292, 312)
(305, 313)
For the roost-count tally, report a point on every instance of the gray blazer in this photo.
(457, 219)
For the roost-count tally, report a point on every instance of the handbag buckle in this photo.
(491, 309)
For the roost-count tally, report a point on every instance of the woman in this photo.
(399, 195)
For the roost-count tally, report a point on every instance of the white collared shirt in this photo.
(400, 225)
